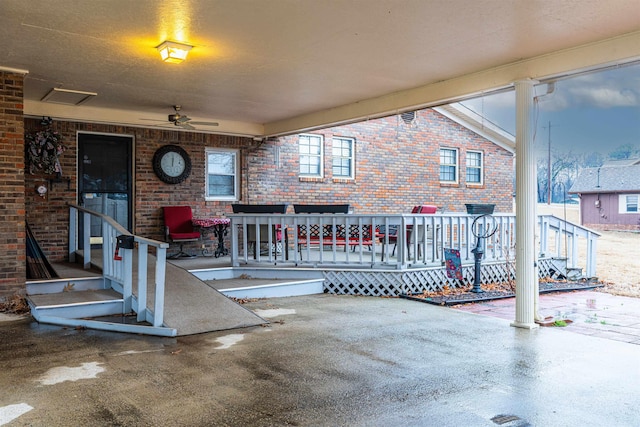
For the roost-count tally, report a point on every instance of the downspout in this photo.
(526, 263)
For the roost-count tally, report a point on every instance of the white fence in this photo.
(418, 241)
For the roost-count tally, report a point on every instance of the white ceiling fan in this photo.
(184, 121)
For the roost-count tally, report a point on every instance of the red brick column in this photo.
(12, 190)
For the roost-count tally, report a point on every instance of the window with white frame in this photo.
(343, 158)
(448, 165)
(222, 180)
(310, 155)
(628, 203)
(474, 167)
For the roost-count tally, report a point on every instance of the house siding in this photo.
(606, 216)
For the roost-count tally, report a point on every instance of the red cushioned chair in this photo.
(179, 228)
(393, 229)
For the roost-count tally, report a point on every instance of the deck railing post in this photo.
(73, 233)
(591, 255)
(127, 280)
(142, 281)
(86, 240)
(158, 306)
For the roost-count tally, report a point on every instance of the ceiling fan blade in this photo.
(165, 125)
(182, 119)
(185, 126)
(205, 123)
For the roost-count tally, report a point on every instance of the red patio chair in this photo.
(178, 228)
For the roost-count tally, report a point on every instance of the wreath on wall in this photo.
(43, 150)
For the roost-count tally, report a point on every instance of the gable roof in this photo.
(477, 123)
(608, 180)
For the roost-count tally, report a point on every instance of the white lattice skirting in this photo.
(394, 283)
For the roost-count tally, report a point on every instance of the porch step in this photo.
(76, 304)
(262, 282)
(54, 286)
(574, 273)
(561, 270)
(101, 309)
(267, 288)
(558, 269)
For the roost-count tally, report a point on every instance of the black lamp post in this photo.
(483, 211)
(478, 253)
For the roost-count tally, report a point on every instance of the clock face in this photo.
(171, 164)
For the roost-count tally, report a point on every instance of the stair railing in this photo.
(566, 236)
(118, 262)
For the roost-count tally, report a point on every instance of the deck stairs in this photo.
(197, 301)
(561, 270)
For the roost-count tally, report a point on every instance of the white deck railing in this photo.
(560, 238)
(419, 241)
(119, 273)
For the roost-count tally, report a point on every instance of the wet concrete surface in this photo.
(590, 312)
(324, 360)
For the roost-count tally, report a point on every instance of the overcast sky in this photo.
(598, 111)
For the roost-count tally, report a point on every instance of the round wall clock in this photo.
(171, 164)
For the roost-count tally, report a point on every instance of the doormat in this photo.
(449, 297)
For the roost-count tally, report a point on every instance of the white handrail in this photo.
(118, 273)
(565, 235)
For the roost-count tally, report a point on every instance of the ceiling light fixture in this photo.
(173, 52)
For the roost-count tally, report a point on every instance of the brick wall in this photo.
(12, 203)
(49, 216)
(397, 167)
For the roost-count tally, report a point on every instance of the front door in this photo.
(105, 179)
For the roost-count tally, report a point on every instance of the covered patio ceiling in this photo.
(262, 68)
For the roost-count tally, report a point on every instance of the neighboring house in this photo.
(610, 195)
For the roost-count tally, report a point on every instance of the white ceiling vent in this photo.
(68, 96)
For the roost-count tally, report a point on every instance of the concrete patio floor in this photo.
(324, 360)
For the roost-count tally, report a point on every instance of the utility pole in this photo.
(549, 186)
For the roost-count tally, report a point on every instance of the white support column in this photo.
(526, 268)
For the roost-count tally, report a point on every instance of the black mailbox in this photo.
(125, 241)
